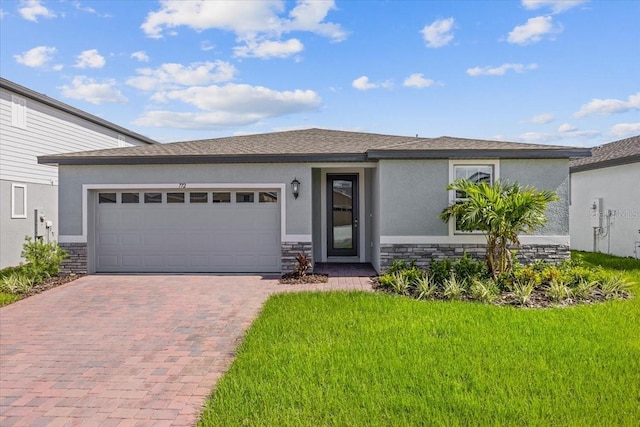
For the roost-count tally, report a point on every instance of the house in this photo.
(32, 124)
(605, 199)
(251, 203)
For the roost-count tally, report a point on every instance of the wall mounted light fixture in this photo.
(295, 188)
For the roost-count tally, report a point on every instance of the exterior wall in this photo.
(547, 174)
(48, 131)
(412, 195)
(76, 262)
(619, 188)
(423, 254)
(289, 252)
(316, 206)
(14, 230)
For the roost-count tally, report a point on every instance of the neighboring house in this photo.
(32, 124)
(227, 204)
(605, 199)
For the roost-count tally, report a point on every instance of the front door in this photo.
(342, 215)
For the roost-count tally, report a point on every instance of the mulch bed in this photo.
(297, 279)
(51, 283)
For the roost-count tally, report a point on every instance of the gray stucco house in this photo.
(33, 124)
(229, 204)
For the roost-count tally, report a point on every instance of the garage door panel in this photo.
(234, 237)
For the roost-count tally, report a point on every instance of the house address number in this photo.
(182, 185)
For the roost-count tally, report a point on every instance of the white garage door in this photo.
(187, 231)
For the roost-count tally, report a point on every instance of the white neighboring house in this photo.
(605, 199)
(31, 125)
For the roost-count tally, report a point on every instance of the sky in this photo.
(561, 72)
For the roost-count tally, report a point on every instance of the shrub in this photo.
(400, 265)
(453, 288)
(439, 270)
(522, 291)
(584, 288)
(43, 259)
(303, 264)
(401, 284)
(614, 287)
(528, 273)
(424, 287)
(557, 290)
(484, 290)
(16, 283)
(466, 268)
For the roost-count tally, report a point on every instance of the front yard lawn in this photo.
(355, 358)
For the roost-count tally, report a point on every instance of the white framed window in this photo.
(480, 170)
(18, 112)
(18, 201)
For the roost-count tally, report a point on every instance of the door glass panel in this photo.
(198, 197)
(106, 197)
(342, 214)
(221, 197)
(175, 197)
(153, 197)
(268, 197)
(244, 197)
(130, 197)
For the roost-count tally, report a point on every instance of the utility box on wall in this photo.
(40, 224)
(596, 213)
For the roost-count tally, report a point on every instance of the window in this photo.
(153, 197)
(475, 171)
(198, 197)
(18, 112)
(175, 197)
(244, 197)
(221, 197)
(106, 197)
(130, 197)
(267, 197)
(19, 201)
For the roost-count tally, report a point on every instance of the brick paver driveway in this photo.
(127, 350)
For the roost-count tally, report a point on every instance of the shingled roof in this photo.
(615, 153)
(311, 145)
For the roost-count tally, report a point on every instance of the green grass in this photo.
(6, 299)
(352, 359)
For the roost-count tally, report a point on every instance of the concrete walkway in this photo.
(130, 350)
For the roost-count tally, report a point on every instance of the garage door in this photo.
(187, 231)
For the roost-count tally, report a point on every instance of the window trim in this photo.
(494, 163)
(15, 215)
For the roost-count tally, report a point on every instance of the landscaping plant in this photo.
(501, 211)
(43, 259)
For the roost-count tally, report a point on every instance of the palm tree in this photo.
(501, 211)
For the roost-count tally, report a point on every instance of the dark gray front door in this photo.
(342, 215)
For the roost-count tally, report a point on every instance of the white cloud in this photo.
(2, 13)
(87, 89)
(577, 137)
(542, 118)
(230, 105)
(269, 49)
(363, 83)
(32, 9)
(206, 45)
(566, 127)
(500, 70)
(622, 130)
(141, 56)
(438, 33)
(533, 30)
(609, 106)
(90, 59)
(258, 26)
(36, 57)
(418, 80)
(556, 6)
(171, 75)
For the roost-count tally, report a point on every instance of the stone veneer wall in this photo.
(423, 253)
(76, 263)
(289, 250)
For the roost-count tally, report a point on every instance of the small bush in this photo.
(16, 283)
(400, 265)
(614, 287)
(43, 259)
(401, 284)
(453, 288)
(466, 268)
(440, 270)
(303, 264)
(484, 290)
(424, 287)
(585, 288)
(557, 290)
(522, 291)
